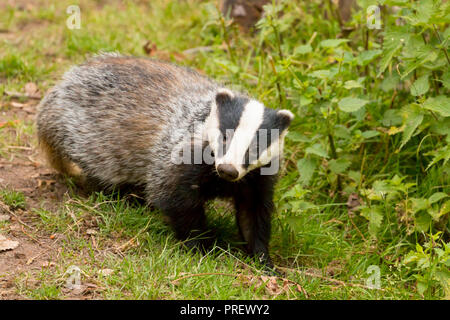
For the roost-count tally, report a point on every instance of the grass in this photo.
(323, 247)
(14, 199)
(145, 258)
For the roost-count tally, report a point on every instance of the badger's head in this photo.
(245, 135)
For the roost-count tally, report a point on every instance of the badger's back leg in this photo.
(67, 168)
(58, 160)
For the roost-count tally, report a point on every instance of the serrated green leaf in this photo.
(375, 217)
(370, 134)
(392, 117)
(420, 86)
(338, 165)
(446, 80)
(439, 104)
(342, 132)
(390, 83)
(368, 56)
(440, 127)
(437, 196)
(427, 55)
(332, 43)
(413, 120)
(321, 74)
(440, 154)
(392, 43)
(301, 205)
(423, 11)
(351, 84)
(318, 150)
(436, 214)
(350, 104)
(422, 221)
(418, 204)
(410, 257)
(306, 168)
(445, 208)
(303, 49)
(297, 137)
(422, 286)
(297, 192)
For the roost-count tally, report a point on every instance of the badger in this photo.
(179, 136)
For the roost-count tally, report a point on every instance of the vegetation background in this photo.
(364, 189)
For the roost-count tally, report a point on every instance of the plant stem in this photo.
(226, 36)
(334, 156)
(277, 37)
(335, 13)
(277, 81)
(436, 85)
(440, 42)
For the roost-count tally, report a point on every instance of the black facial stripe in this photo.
(230, 112)
(271, 120)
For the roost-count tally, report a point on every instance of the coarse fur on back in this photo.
(125, 120)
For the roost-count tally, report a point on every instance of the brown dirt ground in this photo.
(42, 189)
(24, 169)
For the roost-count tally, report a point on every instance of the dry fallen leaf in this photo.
(150, 48)
(18, 104)
(4, 217)
(335, 267)
(47, 264)
(6, 244)
(91, 232)
(106, 272)
(272, 286)
(44, 184)
(31, 89)
(353, 203)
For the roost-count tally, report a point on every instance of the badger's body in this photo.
(124, 120)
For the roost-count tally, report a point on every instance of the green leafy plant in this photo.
(430, 265)
(372, 111)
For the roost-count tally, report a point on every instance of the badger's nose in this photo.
(227, 171)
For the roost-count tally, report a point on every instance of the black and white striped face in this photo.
(245, 135)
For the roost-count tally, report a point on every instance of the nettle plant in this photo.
(371, 103)
(372, 108)
(429, 265)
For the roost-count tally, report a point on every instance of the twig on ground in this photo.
(335, 281)
(6, 208)
(175, 282)
(18, 147)
(18, 95)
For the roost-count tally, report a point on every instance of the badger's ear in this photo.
(285, 117)
(223, 96)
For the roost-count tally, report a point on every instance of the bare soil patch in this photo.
(42, 188)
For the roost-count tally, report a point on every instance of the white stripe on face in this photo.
(250, 121)
(212, 132)
(274, 150)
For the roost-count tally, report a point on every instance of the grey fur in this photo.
(118, 118)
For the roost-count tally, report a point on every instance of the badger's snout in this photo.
(227, 172)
